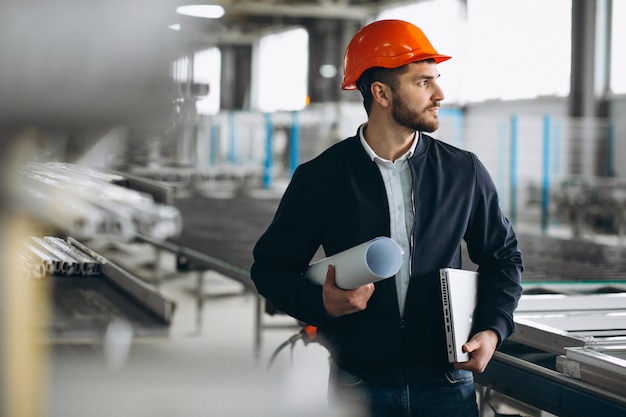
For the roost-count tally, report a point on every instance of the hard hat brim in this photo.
(391, 62)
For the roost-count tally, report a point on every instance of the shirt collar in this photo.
(372, 154)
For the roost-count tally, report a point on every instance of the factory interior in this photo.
(146, 147)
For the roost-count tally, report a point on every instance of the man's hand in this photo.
(481, 348)
(339, 302)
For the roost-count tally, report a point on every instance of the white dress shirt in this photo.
(398, 185)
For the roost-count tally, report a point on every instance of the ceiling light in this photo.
(209, 11)
(328, 71)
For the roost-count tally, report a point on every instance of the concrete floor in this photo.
(207, 367)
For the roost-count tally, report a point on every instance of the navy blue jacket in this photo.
(338, 201)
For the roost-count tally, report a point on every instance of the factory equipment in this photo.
(592, 204)
(88, 292)
(84, 203)
(567, 353)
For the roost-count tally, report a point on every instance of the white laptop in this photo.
(458, 294)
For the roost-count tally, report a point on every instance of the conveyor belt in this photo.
(227, 229)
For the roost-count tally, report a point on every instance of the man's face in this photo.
(416, 100)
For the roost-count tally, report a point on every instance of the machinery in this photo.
(568, 354)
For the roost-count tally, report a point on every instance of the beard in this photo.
(411, 119)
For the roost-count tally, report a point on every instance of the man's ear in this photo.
(380, 93)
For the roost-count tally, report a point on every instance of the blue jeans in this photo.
(449, 395)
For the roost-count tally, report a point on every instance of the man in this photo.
(387, 340)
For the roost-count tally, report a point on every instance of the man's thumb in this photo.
(468, 347)
(330, 274)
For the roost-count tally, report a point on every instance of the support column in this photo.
(582, 100)
(603, 85)
(582, 97)
(235, 77)
(603, 57)
(325, 60)
(328, 39)
(590, 81)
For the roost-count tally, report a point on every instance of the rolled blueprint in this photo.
(372, 261)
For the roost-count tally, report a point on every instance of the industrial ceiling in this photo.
(246, 20)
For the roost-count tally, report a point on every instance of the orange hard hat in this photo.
(388, 44)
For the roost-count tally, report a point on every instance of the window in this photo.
(518, 49)
(207, 66)
(618, 59)
(506, 49)
(206, 70)
(280, 68)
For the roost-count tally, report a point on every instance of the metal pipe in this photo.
(545, 189)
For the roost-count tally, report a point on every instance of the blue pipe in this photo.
(267, 167)
(556, 152)
(545, 189)
(213, 146)
(232, 145)
(457, 116)
(294, 156)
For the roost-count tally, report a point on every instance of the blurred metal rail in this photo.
(189, 259)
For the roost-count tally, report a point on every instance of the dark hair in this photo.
(387, 76)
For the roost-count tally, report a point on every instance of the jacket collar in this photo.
(417, 147)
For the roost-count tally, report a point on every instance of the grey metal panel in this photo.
(568, 302)
(580, 321)
(544, 337)
(552, 322)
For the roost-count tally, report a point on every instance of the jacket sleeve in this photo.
(492, 245)
(283, 253)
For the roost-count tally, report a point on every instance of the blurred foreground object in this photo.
(66, 65)
(52, 255)
(86, 203)
(69, 62)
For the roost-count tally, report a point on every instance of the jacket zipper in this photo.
(411, 249)
(412, 237)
